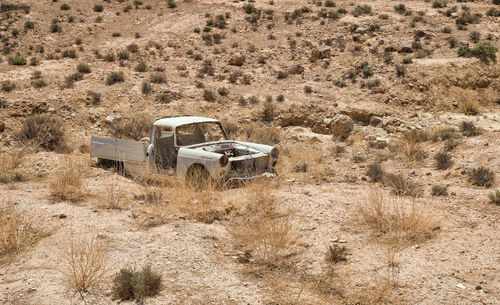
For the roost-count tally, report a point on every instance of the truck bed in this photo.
(126, 151)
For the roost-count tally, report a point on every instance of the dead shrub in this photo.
(135, 127)
(115, 198)
(494, 197)
(18, 232)
(468, 129)
(395, 222)
(83, 261)
(439, 190)
(264, 135)
(129, 284)
(44, 131)
(416, 135)
(269, 111)
(67, 182)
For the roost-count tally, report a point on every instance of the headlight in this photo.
(223, 160)
(275, 153)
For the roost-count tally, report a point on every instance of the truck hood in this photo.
(227, 146)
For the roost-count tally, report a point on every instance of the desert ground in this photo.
(386, 115)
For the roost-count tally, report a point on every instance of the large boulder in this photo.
(341, 126)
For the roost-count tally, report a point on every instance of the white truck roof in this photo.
(182, 120)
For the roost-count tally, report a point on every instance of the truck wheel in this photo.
(197, 176)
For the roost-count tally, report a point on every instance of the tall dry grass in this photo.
(396, 222)
(9, 166)
(67, 182)
(264, 228)
(84, 260)
(18, 232)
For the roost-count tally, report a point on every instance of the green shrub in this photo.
(367, 71)
(141, 67)
(130, 284)
(44, 131)
(481, 176)
(17, 60)
(172, 4)
(358, 158)
(115, 77)
(443, 160)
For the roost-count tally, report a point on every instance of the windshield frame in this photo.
(198, 123)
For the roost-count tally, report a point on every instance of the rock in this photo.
(361, 30)
(341, 126)
(296, 69)
(321, 53)
(237, 60)
(461, 286)
(389, 48)
(109, 119)
(406, 48)
(375, 121)
(380, 143)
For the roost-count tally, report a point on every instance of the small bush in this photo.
(269, 111)
(17, 60)
(367, 71)
(439, 190)
(158, 78)
(362, 10)
(336, 254)
(481, 176)
(484, 52)
(375, 172)
(358, 158)
(83, 68)
(133, 48)
(439, 3)
(400, 71)
(130, 284)
(8, 86)
(141, 67)
(495, 197)
(115, 77)
(402, 186)
(172, 4)
(209, 96)
(400, 8)
(146, 87)
(468, 129)
(443, 160)
(95, 97)
(98, 8)
(44, 131)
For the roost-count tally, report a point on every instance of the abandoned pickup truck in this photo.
(188, 146)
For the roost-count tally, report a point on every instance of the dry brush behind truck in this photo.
(190, 147)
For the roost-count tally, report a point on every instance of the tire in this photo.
(197, 176)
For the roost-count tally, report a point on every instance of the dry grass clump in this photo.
(265, 231)
(84, 259)
(375, 171)
(129, 284)
(395, 222)
(470, 107)
(439, 190)
(18, 232)
(44, 131)
(9, 164)
(262, 135)
(410, 151)
(336, 254)
(115, 198)
(204, 204)
(67, 182)
(135, 127)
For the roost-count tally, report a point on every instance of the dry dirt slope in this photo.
(397, 64)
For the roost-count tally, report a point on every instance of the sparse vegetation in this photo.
(67, 182)
(115, 77)
(483, 51)
(135, 127)
(443, 160)
(375, 172)
(402, 186)
(439, 190)
(495, 197)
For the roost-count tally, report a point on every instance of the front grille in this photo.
(250, 165)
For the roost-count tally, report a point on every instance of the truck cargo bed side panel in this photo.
(118, 149)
